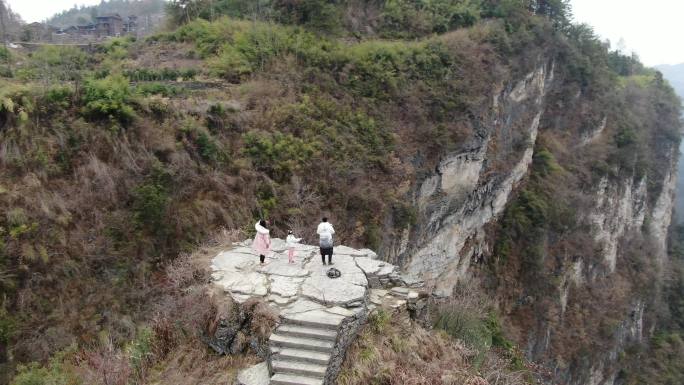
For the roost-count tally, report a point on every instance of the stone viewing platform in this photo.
(319, 316)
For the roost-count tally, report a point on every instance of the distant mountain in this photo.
(675, 75)
(144, 9)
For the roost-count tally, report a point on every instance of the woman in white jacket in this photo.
(325, 231)
(291, 243)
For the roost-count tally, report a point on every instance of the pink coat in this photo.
(262, 241)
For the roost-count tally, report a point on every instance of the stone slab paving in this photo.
(312, 306)
(238, 272)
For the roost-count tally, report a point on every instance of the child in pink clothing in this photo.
(291, 243)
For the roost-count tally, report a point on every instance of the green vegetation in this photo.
(409, 18)
(147, 89)
(5, 60)
(58, 372)
(110, 99)
(533, 215)
(112, 166)
(278, 155)
(473, 321)
(149, 74)
(53, 64)
(386, 18)
(150, 205)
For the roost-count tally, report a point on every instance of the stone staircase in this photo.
(301, 348)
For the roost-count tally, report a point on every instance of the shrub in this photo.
(140, 353)
(278, 154)
(59, 96)
(467, 319)
(150, 201)
(209, 37)
(319, 15)
(206, 146)
(7, 322)
(465, 325)
(5, 60)
(151, 74)
(53, 63)
(251, 50)
(209, 149)
(58, 371)
(147, 89)
(356, 137)
(379, 320)
(109, 98)
(411, 18)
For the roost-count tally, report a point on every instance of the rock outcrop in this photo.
(459, 199)
(319, 316)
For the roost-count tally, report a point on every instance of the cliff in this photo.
(502, 149)
(555, 259)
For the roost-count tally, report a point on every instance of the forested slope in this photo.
(115, 162)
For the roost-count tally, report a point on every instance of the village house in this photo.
(109, 25)
(130, 27)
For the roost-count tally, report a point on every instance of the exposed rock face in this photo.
(661, 216)
(593, 135)
(619, 209)
(470, 189)
(459, 200)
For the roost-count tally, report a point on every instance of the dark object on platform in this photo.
(334, 273)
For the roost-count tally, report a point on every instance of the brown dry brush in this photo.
(183, 317)
(393, 350)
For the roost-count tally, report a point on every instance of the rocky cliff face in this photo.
(470, 189)
(465, 192)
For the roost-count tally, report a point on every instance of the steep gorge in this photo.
(624, 227)
(508, 155)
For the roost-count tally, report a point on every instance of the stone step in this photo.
(309, 356)
(400, 291)
(331, 322)
(289, 379)
(307, 332)
(301, 368)
(301, 343)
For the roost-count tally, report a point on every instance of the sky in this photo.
(653, 29)
(649, 28)
(39, 10)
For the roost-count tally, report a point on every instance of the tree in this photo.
(558, 11)
(3, 30)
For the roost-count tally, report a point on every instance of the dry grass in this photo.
(394, 350)
(195, 365)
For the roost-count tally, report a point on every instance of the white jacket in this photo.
(325, 231)
(292, 241)
(261, 229)
(325, 228)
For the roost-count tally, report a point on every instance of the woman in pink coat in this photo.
(262, 240)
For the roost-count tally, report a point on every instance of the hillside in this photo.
(489, 148)
(149, 11)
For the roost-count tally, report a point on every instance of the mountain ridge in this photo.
(511, 160)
